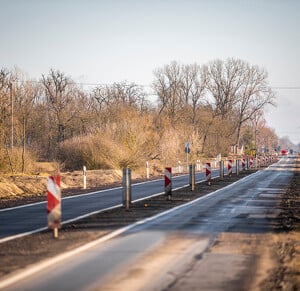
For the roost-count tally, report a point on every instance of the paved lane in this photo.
(157, 253)
(20, 220)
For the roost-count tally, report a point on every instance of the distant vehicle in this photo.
(284, 152)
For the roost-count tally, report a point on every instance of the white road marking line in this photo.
(47, 263)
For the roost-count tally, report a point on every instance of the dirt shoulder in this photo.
(276, 254)
(284, 244)
(19, 253)
(283, 256)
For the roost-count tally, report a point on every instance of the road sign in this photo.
(187, 150)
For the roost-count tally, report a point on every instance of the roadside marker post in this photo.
(208, 173)
(243, 164)
(221, 170)
(179, 167)
(198, 165)
(192, 176)
(126, 187)
(237, 166)
(147, 170)
(84, 177)
(168, 182)
(229, 166)
(251, 162)
(54, 204)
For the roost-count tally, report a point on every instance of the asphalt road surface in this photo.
(33, 217)
(156, 254)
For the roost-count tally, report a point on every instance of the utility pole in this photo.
(12, 115)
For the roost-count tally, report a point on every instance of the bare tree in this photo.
(193, 87)
(224, 80)
(25, 95)
(121, 94)
(168, 87)
(6, 106)
(237, 89)
(59, 93)
(253, 96)
(257, 122)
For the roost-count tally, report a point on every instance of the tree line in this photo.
(213, 106)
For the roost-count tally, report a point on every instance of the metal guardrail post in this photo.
(222, 170)
(192, 176)
(126, 187)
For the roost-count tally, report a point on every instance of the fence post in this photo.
(237, 166)
(126, 187)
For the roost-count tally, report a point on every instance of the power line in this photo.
(286, 88)
(132, 83)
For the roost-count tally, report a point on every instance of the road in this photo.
(31, 218)
(169, 251)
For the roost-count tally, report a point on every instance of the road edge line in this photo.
(48, 262)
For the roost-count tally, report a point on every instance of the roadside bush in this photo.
(16, 161)
(85, 150)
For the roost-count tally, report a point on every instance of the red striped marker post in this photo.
(54, 204)
(208, 173)
(243, 164)
(229, 166)
(168, 182)
(251, 162)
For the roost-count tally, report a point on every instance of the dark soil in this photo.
(286, 273)
(22, 252)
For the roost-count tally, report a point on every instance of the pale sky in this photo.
(95, 41)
